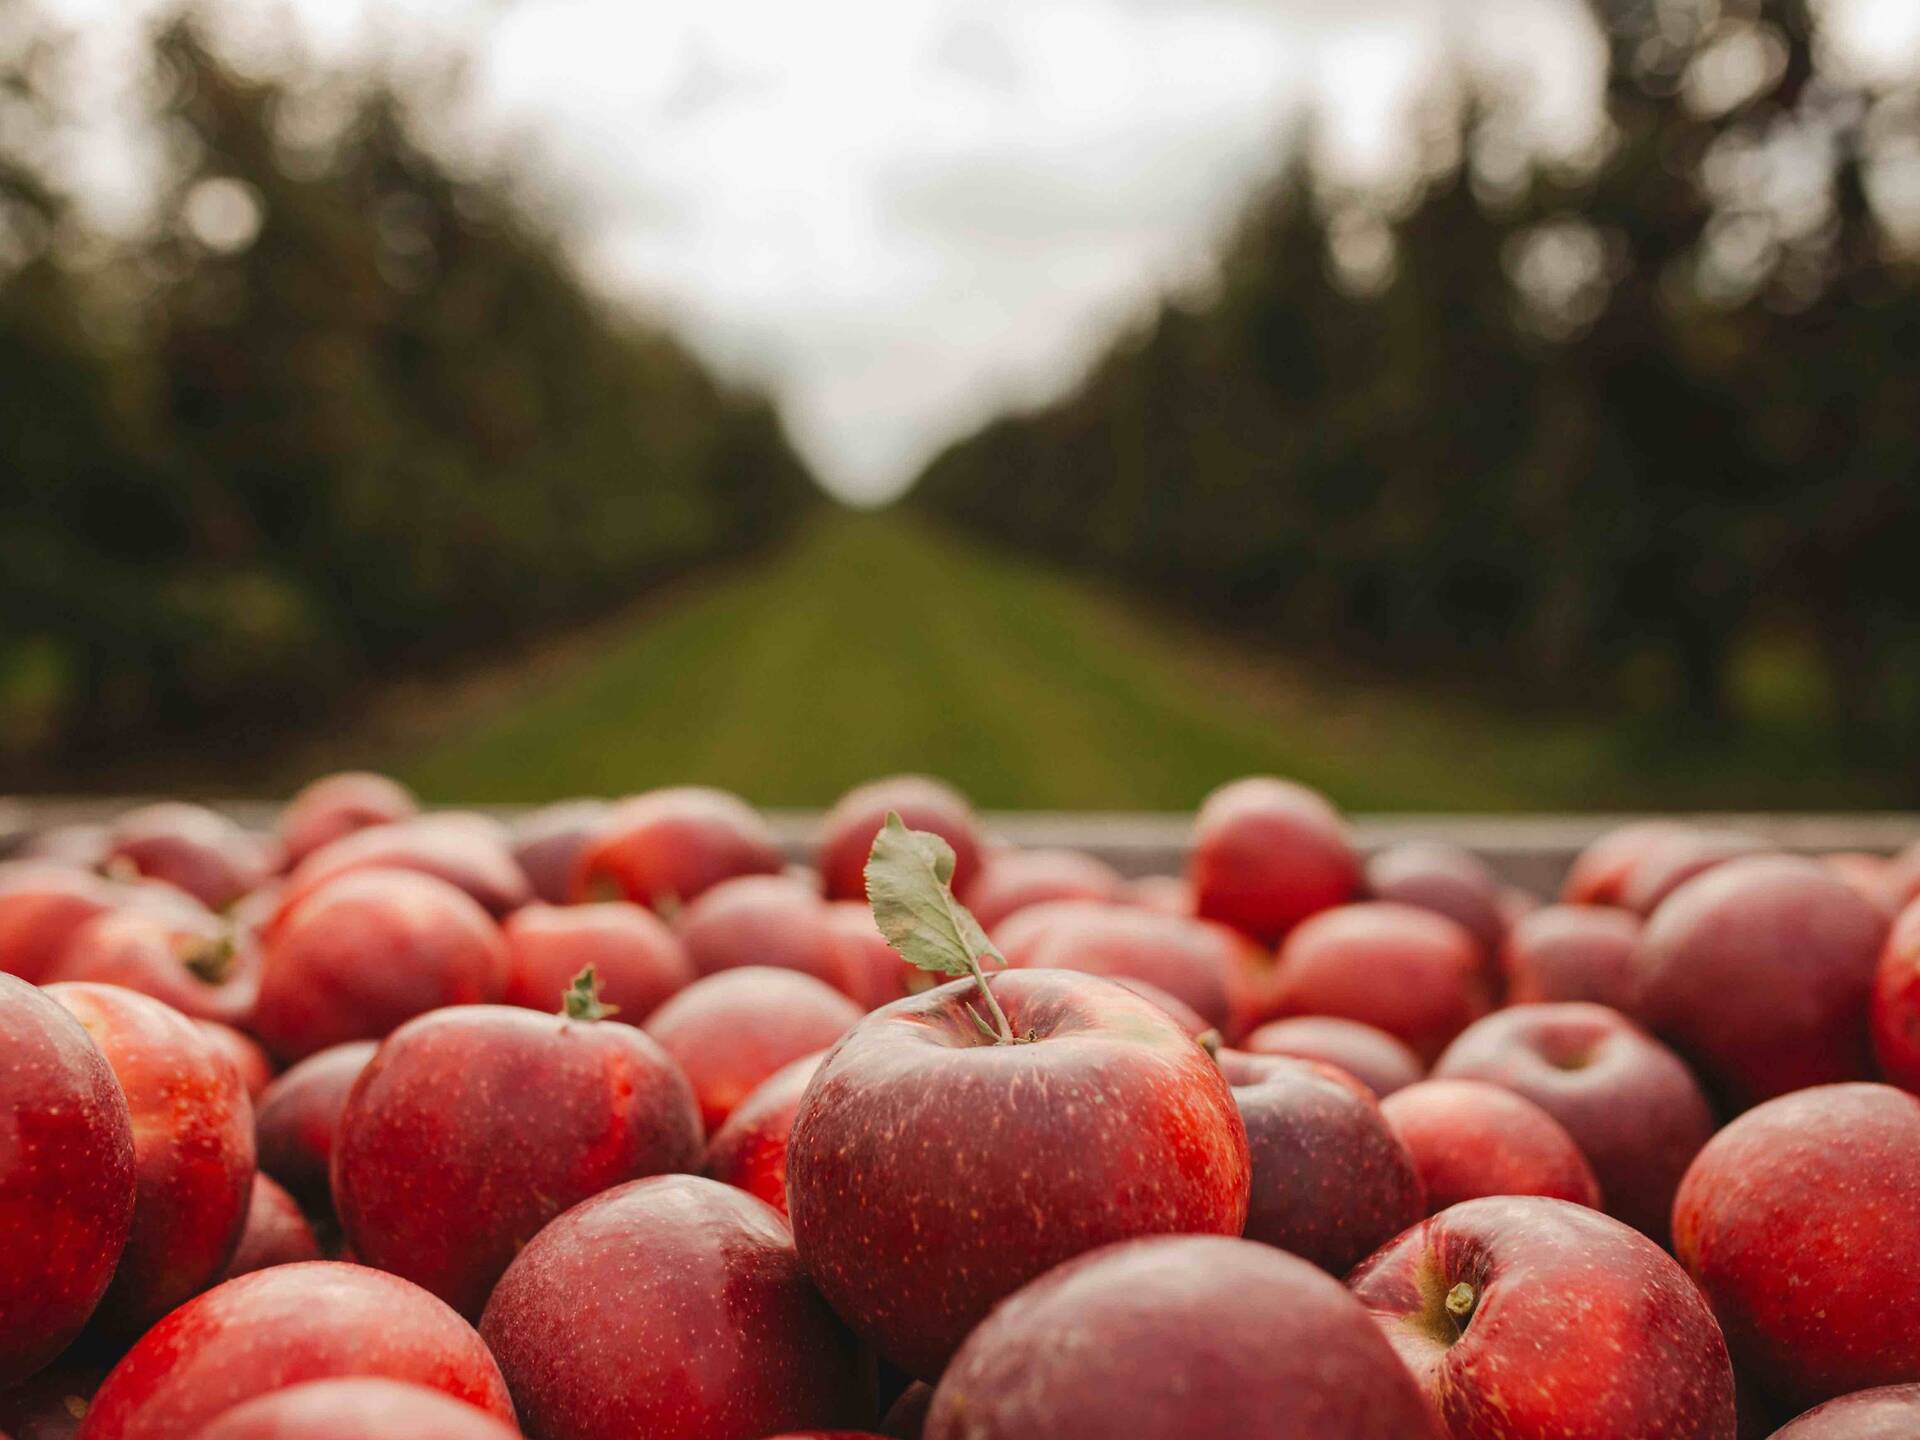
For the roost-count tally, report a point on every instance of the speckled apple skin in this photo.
(673, 1308)
(356, 1409)
(1179, 1337)
(1584, 1330)
(931, 1174)
(193, 1152)
(1799, 1221)
(298, 1118)
(279, 1327)
(471, 1128)
(66, 1178)
(1331, 1181)
(1887, 1412)
(670, 845)
(1470, 1139)
(750, 1150)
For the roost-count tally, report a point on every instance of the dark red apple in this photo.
(1758, 972)
(1331, 1181)
(749, 1152)
(66, 1178)
(1631, 1104)
(1469, 1139)
(42, 905)
(368, 952)
(191, 848)
(192, 965)
(773, 920)
(334, 806)
(299, 1117)
(471, 1128)
(254, 1065)
(278, 1328)
(1798, 1221)
(548, 842)
(1371, 1056)
(1599, 873)
(276, 1232)
(871, 970)
(1894, 1014)
(638, 960)
(1267, 854)
(695, 1287)
(1447, 879)
(468, 852)
(1195, 961)
(1572, 952)
(731, 1031)
(1887, 1412)
(1177, 1338)
(193, 1152)
(1410, 972)
(933, 1170)
(356, 1409)
(1526, 1318)
(1670, 863)
(1011, 880)
(664, 848)
(846, 834)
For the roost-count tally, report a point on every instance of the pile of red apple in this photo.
(614, 1125)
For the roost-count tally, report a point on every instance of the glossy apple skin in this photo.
(749, 1152)
(151, 952)
(1469, 1139)
(1373, 1057)
(1887, 1412)
(1583, 1329)
(193, 1151)
(298, 1119)
(1600, 871)
(696, 1288)
(548, 842)
(1111, 1123)
(468, 852)
(871, 971)
(42, 904)
(1267, 854)
(363, 955)
(277, 1328)
(923, 803)
(774, 920)
(471, 1128)
(666, 847)
(1410, 972)
(1195, 961)
(334, 806)
(1759, 972)
(1446, 879)
(636, 958)
(1671, 863)
(276, 1232)
(356, 1409)
(1629, 1102)
(1571, 952)
(191, 848)
(1174, 1338)
(730, 1031)
(1798, 1221)
(1894, 1012)
(1331, 1181)
(1011, 880)
(66, 1178)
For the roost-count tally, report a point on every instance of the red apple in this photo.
(276, 1232)
(1331, 1181)
(548, 843)
(1631, 1104)
(846, 834)
(1446, 879)
(468, 852)
(1011, 880)
(368, 952)
(1414, 974)
(1469, 1139)
(1758, 972)
(1798, 1221)
(471, 1128)
(749, 1152)
(1190, 1021)
(1870, 875)
(731, 1031)
(1195, 961)
(638, 960)
(193, 1153)
(933, 1171)
(1525, 1318)
(66, 1178)
(277, 1328)
(1903, 877)
(1169, 894)
(1894, 1014)
(1887, 1412)
(356, 1409)
(1382, 1063)
(251, 1062)
(871, 970)
(1599, 873)
(666, 847)
(192, 965)
(299, 1118)
(191, 848)
(334, 806)
(906, 1418)
(1572, 952)
(1267, 854)
(1670, 863)
(695, 1288)
(1177, 1338)
(42, 905)
(773, 920)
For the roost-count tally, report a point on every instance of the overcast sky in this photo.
(903, 214)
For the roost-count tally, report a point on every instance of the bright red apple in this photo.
(749, 1152)
(334, 806)
(42, 905)
(548, 843)
(1267, 854)
(774, 920)
(1469, 1139)
(356, 1409)
(276, 1232)
(298, 1119)
(664, 848)
(1572, 952)
(191, 848)
(1887, 1412)
(1011, 880)
(1894, 1014)
(1446, 879)
(695, 1287)
(1195, 961)
(846, 834)
(1525, 1318)
(637, 959)
(1178, 1338)
(192, 965)
(1375, 1058)
(468, 852)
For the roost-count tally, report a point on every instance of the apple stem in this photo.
(581, 1000)
(210, 960)
(1461, 1301)
(1002, 1031)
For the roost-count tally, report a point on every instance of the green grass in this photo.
(874, 643)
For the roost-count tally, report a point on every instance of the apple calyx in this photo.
(581, 1000)
(910, 887)
(209, 960)
(1461, 1302)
